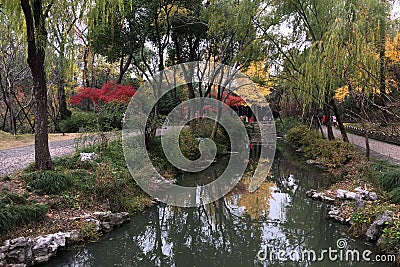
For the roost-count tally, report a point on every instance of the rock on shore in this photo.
(26, 251)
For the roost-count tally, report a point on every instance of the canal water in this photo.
(274, 226)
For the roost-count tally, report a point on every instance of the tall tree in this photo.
(35, 13)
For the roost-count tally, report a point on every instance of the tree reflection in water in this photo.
(228, 232)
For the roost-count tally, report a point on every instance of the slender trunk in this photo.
(93, 81)
(8, 102)
(5, 120)
(13, 122)
(63, 111)
(216, 123)
(319, 125)
(36, 38)
(364, 125)
(339, 121)
(123, 68)
(85, 71)
(7, 96)
(328, 122)
(382, 74)
(22, 109)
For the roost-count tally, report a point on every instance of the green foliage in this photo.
(331, 153)
(15, 210)
(204, 128)
(106, 180)
(282, 127)
(159, 159)
(395, 195)
(188, 144)
(301, 136)
(48, 182)
(363, 218)
(79, 120)
(390, 179)
(111, 115)
(88, 231)
(391, 236)
(388, 176)
(73, 162)
(108, 118)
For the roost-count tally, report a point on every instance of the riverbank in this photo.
(49, 209)
(374, 218)
(92, 181)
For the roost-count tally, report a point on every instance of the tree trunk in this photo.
(85, 71)
(36, 38)
(65, 113)
(216, 124)
(124, 67)
(339, 120)
(328, 122)
(364, 125)
(382, 71)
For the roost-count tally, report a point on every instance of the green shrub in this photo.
(15, 210)
(82, 180)
(282, 127)
(204, 129)
(390, 179)
(73, 162)
(331, 153)
(48, 182)
(78, 120)
(301, 136)
(188, 144)
(110, 117)
(395, 195)
(391, 236)
(334, 153)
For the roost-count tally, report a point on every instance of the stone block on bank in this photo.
(376, 229)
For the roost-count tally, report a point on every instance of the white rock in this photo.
(344, 194)
(373, 196)
(88, 156)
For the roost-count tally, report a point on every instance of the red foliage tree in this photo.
(232, 100)
(109, 92)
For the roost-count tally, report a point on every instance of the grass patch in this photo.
(104, 181)
(15, 210)
(48, 182)
(388, 176)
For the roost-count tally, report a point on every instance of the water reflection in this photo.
(228, 232)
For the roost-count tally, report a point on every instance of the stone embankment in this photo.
(26, 251)
(359, 196)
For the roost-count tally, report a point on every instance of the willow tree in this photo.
(61, 50)
(347, 54)
(307, 22)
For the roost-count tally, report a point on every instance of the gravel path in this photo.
(380, 150)
(15, 159)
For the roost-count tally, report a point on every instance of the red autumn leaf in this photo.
(109, 92)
